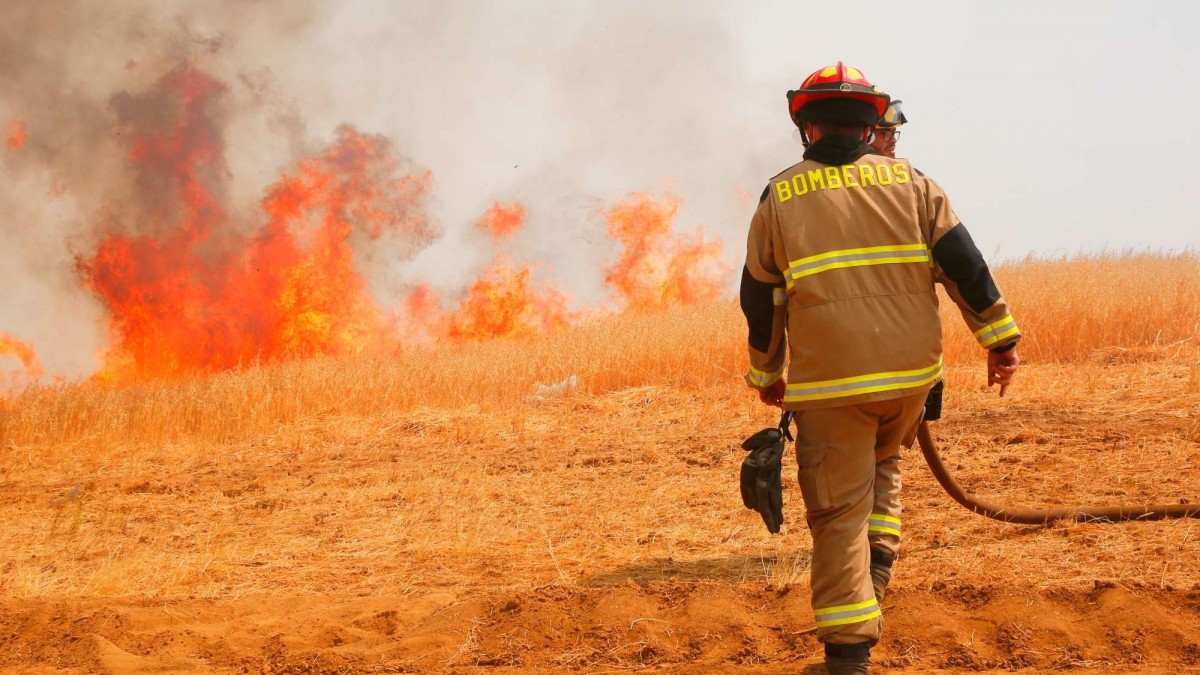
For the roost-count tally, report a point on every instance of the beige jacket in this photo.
(851, 254)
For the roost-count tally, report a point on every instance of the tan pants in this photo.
(883, 530)
(850, 480)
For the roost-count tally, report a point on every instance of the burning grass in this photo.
(434, 473)
(435, 468)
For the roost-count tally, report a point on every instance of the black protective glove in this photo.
(761, 484)
(933, 402)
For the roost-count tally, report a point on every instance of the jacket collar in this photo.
(837, 150)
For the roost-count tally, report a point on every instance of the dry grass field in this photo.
(425, 512)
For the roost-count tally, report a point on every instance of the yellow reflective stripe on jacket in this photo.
(862, 384)
(779, 296)
(884, 524)
(844, 614)
(760, 378)
(995, 332)
(856, 257)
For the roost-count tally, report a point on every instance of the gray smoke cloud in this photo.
(563, 107)
(75, 74)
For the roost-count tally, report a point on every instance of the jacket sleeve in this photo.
(961, 269)
(763, 302)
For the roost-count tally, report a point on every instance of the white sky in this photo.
(1056, 127)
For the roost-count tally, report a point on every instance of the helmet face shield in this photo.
(893, 116)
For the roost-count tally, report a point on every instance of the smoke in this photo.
(565, 108)
(72, 72)
(562, 108)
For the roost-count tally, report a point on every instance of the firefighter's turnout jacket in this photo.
(840, 269)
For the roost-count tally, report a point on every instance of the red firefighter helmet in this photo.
(837, 82)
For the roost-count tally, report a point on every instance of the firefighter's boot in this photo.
(848, 659)
(881, 571)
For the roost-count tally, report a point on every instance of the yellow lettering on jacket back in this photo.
(799, 185)
(848, 175)
(816, 178)
(845, 175)
(866, 176)
(784, 190)
(833, 177)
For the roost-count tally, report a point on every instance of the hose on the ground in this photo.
(1111, 514)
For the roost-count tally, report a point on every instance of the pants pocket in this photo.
(814, 486)
(911, 435)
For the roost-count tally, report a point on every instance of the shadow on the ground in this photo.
(731, 569)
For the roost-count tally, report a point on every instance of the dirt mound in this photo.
(675, 627)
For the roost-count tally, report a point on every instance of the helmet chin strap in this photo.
(803, 136)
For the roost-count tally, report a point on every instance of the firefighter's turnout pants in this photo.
(850, 478)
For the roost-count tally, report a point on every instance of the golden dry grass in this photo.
(433, 470)
(1070, 308)
(433, 467)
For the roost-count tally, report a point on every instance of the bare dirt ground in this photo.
(601, 533)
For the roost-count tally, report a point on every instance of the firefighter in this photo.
(887, 130)
(838, 291)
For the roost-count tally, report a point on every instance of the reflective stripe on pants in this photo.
(884, 527)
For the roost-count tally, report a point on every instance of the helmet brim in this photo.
(800, 98)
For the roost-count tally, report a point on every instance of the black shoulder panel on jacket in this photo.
(958, 257)
(758, 304)
(766, 191)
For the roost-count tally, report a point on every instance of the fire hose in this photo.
(1104, 514)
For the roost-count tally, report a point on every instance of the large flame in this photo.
(15, 133)
(658, 267)
(198, 296)
(501, 220)
(502, 303)
(190, 289)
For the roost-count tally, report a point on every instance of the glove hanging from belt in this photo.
(933, 402)
(761, 485)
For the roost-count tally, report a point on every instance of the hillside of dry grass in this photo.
(424, 512)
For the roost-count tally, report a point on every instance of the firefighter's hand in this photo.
(1002, 367)
(773, 393)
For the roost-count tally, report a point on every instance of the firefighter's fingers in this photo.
(1001, 375)
(773, 394)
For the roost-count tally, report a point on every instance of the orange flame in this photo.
(16, 134)
(502, 221)
(425, 320)
(191, 291)
(201, 297)
(656, 267)
(503, 303)
(30, 371)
